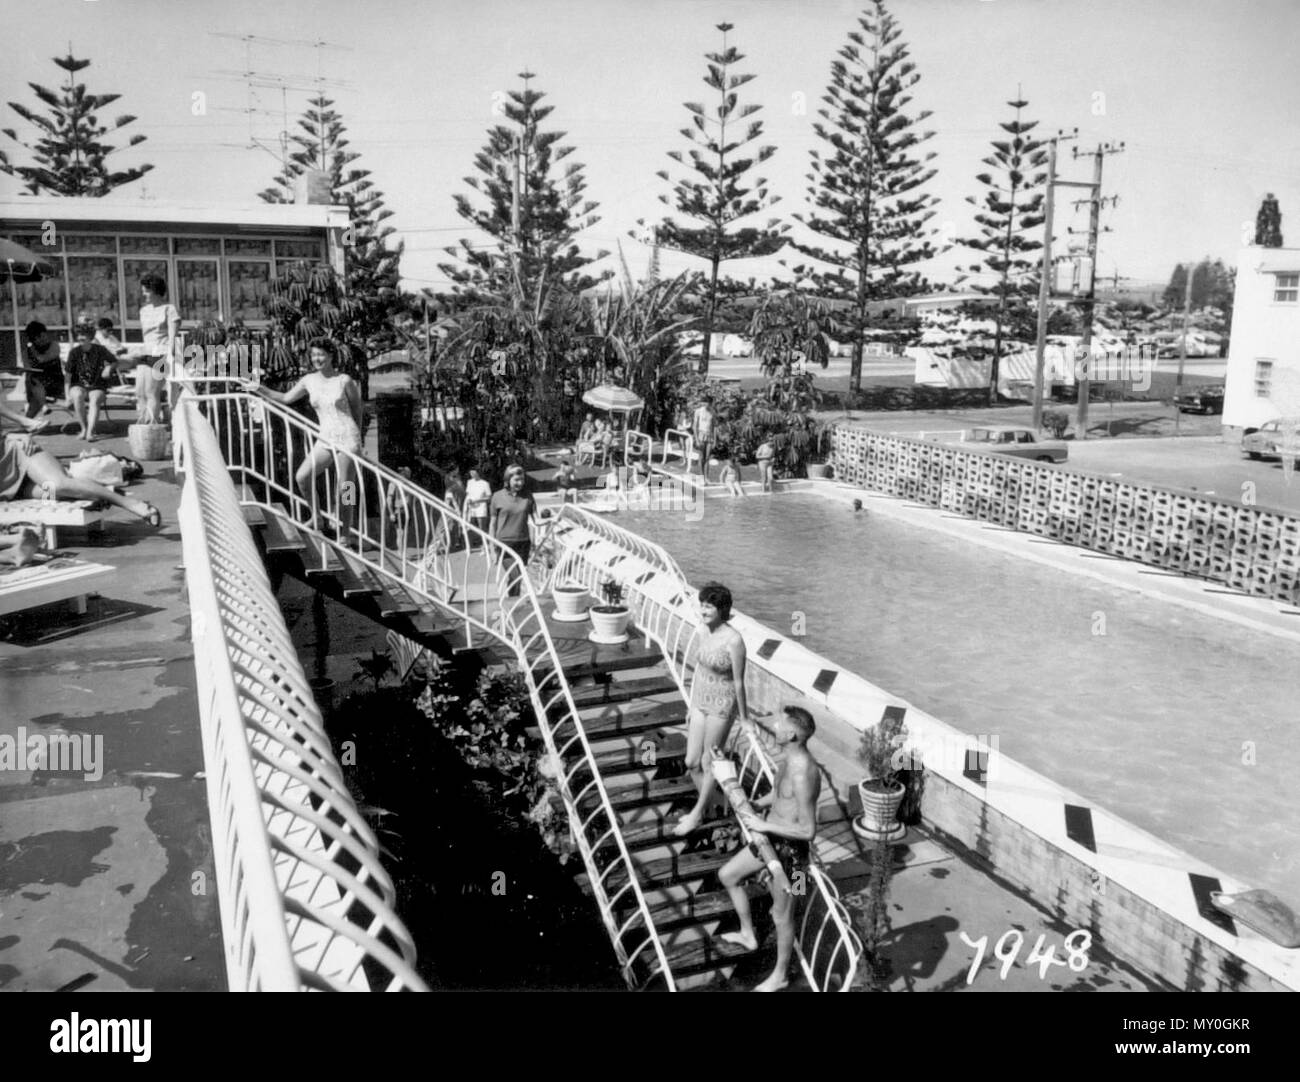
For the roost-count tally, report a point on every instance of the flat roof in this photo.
(1272, 260)
(160, 212)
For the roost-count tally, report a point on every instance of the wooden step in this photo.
(354, 579)
(394, 600)
(630, 718)
(678, 869)
(709, 908)
(659, 831)
(621, 691)
(253, 514)
(660, 791)
(646, 748)
(702, 957)
(279, 534)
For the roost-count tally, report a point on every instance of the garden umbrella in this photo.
(614, 399)
(17, 264)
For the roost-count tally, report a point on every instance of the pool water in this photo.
(1152, 711)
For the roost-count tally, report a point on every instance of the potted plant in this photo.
(569, 597)
(880, 753)
(609, 621)
(818, 466)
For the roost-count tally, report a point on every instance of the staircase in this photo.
(611, 717)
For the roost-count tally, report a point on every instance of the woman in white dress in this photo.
(159, 325)
(336, 398)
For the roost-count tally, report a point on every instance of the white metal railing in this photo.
(662, 604)
(397, 530)
(304, 900)
(685, 451)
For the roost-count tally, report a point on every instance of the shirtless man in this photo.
(790, 826)
(702, 425)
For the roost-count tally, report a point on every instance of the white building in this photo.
(1263, 375)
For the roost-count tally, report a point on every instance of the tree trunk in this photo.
(709, 310)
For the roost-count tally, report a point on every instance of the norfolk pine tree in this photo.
(864, 189)
(552, 210)
(1009, 216)
(70, 157)
(1268, 223)
(717, 196)
(373, 277)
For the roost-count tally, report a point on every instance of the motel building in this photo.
(218, 261)
(1263, 373)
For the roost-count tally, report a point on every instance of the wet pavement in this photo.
(106, 875)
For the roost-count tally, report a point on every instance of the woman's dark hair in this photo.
(154, 284)
(717, 595)
(327, 344)
(104, 324)
(34, 328)
(84, 330)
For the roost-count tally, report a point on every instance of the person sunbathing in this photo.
(28, 472)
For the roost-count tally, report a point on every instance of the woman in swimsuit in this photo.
(336, 399)
(717, 695)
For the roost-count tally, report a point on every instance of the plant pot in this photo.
(608, 623)
(819, 469)
(569, 603)
(148, 442)
(879, 818)
(322, 689)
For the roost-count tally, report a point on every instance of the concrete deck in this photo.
(106, 883)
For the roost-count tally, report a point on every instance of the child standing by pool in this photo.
(731, 477)
(566, 480)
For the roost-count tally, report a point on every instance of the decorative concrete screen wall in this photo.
(1252, 549)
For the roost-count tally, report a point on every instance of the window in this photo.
(1263, 378)
(1286, 288)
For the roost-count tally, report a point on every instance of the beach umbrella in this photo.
(613, 399)
(17, 264)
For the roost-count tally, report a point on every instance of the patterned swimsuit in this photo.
(714, 691)
(329, 399)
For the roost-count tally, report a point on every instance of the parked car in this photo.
(1014, 440)
(1206, 399)
(1272, 438)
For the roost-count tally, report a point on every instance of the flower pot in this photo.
(570, 604)
(608, 623)
(322, 689)
(148, 442)
(819, 469)
(879, 818)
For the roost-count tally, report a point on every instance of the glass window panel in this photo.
(198, 246)
(197, 294)
(247, 246)
(92, 288)
(144, 246)
(46, 301)
(250, 285)
(33, 241)
(132, 271)
(298, 249)
(96, 243)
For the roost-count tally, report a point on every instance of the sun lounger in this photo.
(49, 515)
(48, 581)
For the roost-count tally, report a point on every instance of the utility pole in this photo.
(1082, 382)
(1045, 277)
(1182, 346)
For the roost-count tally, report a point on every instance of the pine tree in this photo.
(373, 274)
(865, 187)
(717, 196)
(1268, 223)
(70, 156)
(552, 210)
(1011, 214)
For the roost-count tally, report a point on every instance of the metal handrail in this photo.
(295, 861)
(259, 441)
(688, 446)
(663, 611)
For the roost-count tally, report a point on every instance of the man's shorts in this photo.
(793, 853)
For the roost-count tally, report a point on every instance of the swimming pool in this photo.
(1184, 724)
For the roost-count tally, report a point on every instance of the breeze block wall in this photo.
(1252, 549)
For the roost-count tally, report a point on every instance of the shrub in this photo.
(1056, 422)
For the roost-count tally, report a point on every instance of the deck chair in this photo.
(48, 515)
(50, 580)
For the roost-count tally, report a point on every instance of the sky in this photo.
(1203, 93)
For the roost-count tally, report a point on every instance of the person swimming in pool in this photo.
(717, 696)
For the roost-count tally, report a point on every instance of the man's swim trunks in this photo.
(793, 853)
